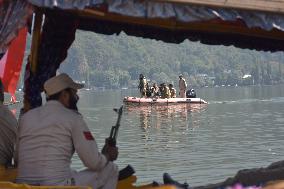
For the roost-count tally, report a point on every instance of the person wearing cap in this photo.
(8, 132)
(49, 135)
(182, 86)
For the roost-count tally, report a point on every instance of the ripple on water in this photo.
(197, 145)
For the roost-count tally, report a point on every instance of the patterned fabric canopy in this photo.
(181, 12)
(66, 4)
(194, 13)
(13, 16)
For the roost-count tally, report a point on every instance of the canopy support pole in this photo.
(36, 40)
(33, 58)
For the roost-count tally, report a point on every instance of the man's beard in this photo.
(73, 103)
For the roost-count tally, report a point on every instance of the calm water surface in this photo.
(239, 128)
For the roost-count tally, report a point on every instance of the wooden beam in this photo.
(275, 6)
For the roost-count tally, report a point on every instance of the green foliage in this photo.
(117, 61)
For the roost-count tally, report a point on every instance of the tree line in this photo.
(117, 61)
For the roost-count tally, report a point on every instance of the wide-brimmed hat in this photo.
(60, 82)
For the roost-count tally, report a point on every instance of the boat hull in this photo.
(135, 100)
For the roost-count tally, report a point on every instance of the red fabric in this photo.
(88, 135)
(11, 63)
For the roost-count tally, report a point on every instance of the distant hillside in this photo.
(116, 61)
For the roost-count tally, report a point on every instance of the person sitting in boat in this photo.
(155, 90)
(142, 85)
(172, 91)
(8, 132)
(49, 135)
(165, 92)
(160, 89)
(182, 86)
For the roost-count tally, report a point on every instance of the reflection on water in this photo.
(161, 143)
(155, 116)
(239, 128)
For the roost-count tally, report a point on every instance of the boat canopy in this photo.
(256, 24)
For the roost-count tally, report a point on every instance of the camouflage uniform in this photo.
(142, 86)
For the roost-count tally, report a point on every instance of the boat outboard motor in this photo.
(190, 93)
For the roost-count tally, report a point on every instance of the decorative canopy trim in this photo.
(177, 20)
(65, 4)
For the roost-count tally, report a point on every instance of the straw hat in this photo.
(59, 83)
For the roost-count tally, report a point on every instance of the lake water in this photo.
(241, 127)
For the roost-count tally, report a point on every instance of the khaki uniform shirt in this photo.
(48, 137)
(182, 84)
(8, 135)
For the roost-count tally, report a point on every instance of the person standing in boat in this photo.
(49, 135)
(182, 86)
(8, 132)
(142, 85)
(172, 91)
